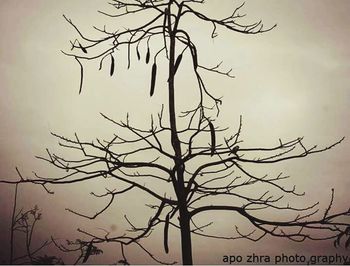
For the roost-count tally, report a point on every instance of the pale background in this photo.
(293, 81)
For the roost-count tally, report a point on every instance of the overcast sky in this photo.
(290, 82)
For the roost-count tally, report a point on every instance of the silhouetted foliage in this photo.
(23, 223)
(84, 248)
(47, 260)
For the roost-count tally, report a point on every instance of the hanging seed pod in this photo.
(194, 55)
(112, 65)
(153, 79)
(166, 234)
(148, 55)
(195, 59)
(165, 16)
(177, 63)
(82, 48)
(213, 140)
(101, 61)
(81, 75)
(138, 53)
(129, 63)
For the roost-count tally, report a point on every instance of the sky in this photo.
(290, 82)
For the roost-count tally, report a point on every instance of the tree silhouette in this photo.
(23, 223)
(187, 152)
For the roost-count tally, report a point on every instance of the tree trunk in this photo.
(186, 243)
(179, 167)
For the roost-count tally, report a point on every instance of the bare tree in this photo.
(188, 152)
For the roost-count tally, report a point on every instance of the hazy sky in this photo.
(290, 82)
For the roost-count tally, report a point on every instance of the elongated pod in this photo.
(213, 139)
(177, 63)
(81, 74)
(138, 53)
(165, 17)
(112, 65)
(194, 56)
(153, 79)
(148, 55)
(166, 234)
